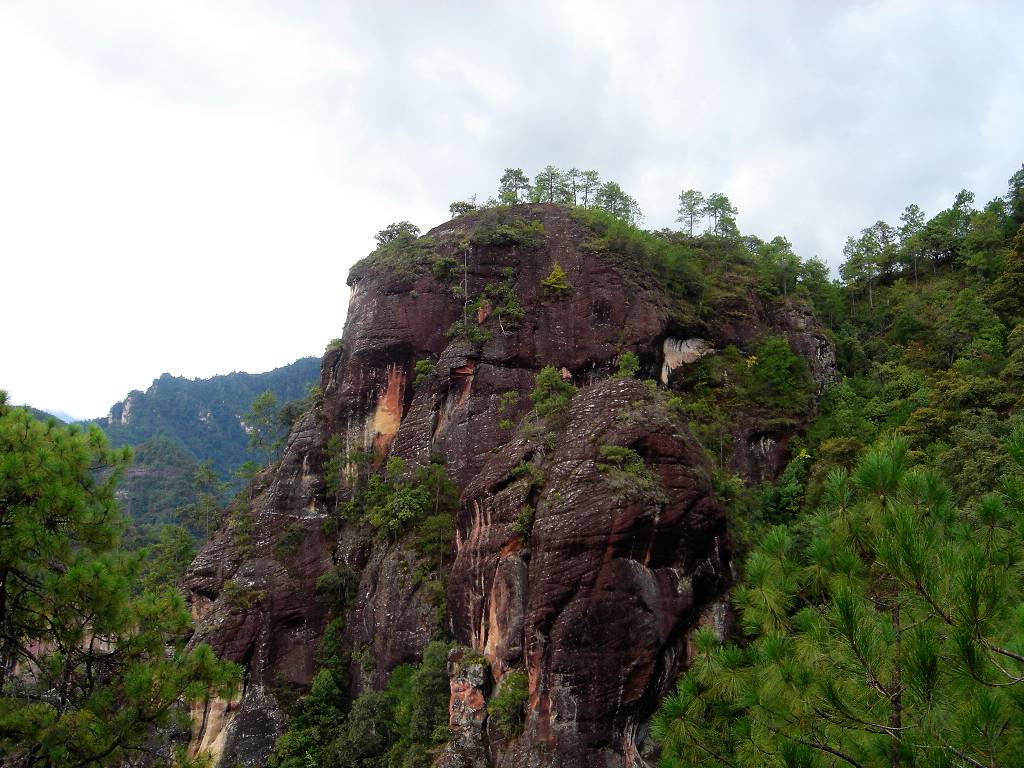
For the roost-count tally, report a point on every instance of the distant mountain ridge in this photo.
(177, 423)
(44, 415)
(205, 415)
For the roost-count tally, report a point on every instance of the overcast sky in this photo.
(183, 186)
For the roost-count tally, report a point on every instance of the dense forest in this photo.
(876, 615)
(205, 415)
(195, 440)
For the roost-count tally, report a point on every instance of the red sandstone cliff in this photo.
(595, 603)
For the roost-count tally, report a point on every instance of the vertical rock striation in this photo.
(593, 598)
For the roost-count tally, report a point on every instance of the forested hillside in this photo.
(878, 616)
(205, 415)
(579, 494)
(179, 424)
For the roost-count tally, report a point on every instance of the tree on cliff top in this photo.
(514, 186)
(691, 208)
(88, 667)
(402, 230)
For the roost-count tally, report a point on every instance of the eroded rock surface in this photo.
(593, 601)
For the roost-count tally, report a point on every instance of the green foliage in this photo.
(402, 231)
(507, 708)
(783, 500)
(400, 251)
(419, 703)
(421, 502)
(103, 645)
(523, 524)
(423, 370)
(628, 477)
(446, 269)
(400, 727)
(503, 301)
(674, 263)
(468, 329)
(513, 186)
(203, 414)
(613, 199)
(335, 461)
(557, 283)
(627, 365)
(206, 512)
(899, 611)
(530, 470)
(241, 597)
(508, 401)
(266, 435)
(551, 394)
(503, 230)
(461, 208)
(290, 541)
(166, 560)
(777, 376)
(572, 187)
(241, 524)
(162, 485)
(306, 740)
(691, 208)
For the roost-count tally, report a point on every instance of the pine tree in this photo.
(691, 208)
(590, 182)
(547, 186)
(88, 665)
(571, 185)
(513, 187)
(721, 211)
(894, 636)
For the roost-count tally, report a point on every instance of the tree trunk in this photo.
(3, 623)
(896, 719)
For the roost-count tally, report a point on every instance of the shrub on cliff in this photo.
(400, 250)
(557, 283)
(628, 476)
(507, 707)
(626, 366)
(423, 370)
(399, 727)
(512, 231)
(551, 393)
(468, 329)
(400, 501)
(777, 376)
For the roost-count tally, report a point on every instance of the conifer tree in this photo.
(88, 664)
(571, 185)
(547, 186)
(893, 637)
(590, 182)
(721, 211)
(691, 208)
(513, 187)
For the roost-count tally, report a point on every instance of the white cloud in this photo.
(183, 186)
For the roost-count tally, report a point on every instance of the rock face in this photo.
(595, 602)
(579, 574)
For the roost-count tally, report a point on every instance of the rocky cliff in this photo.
(563, 566)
